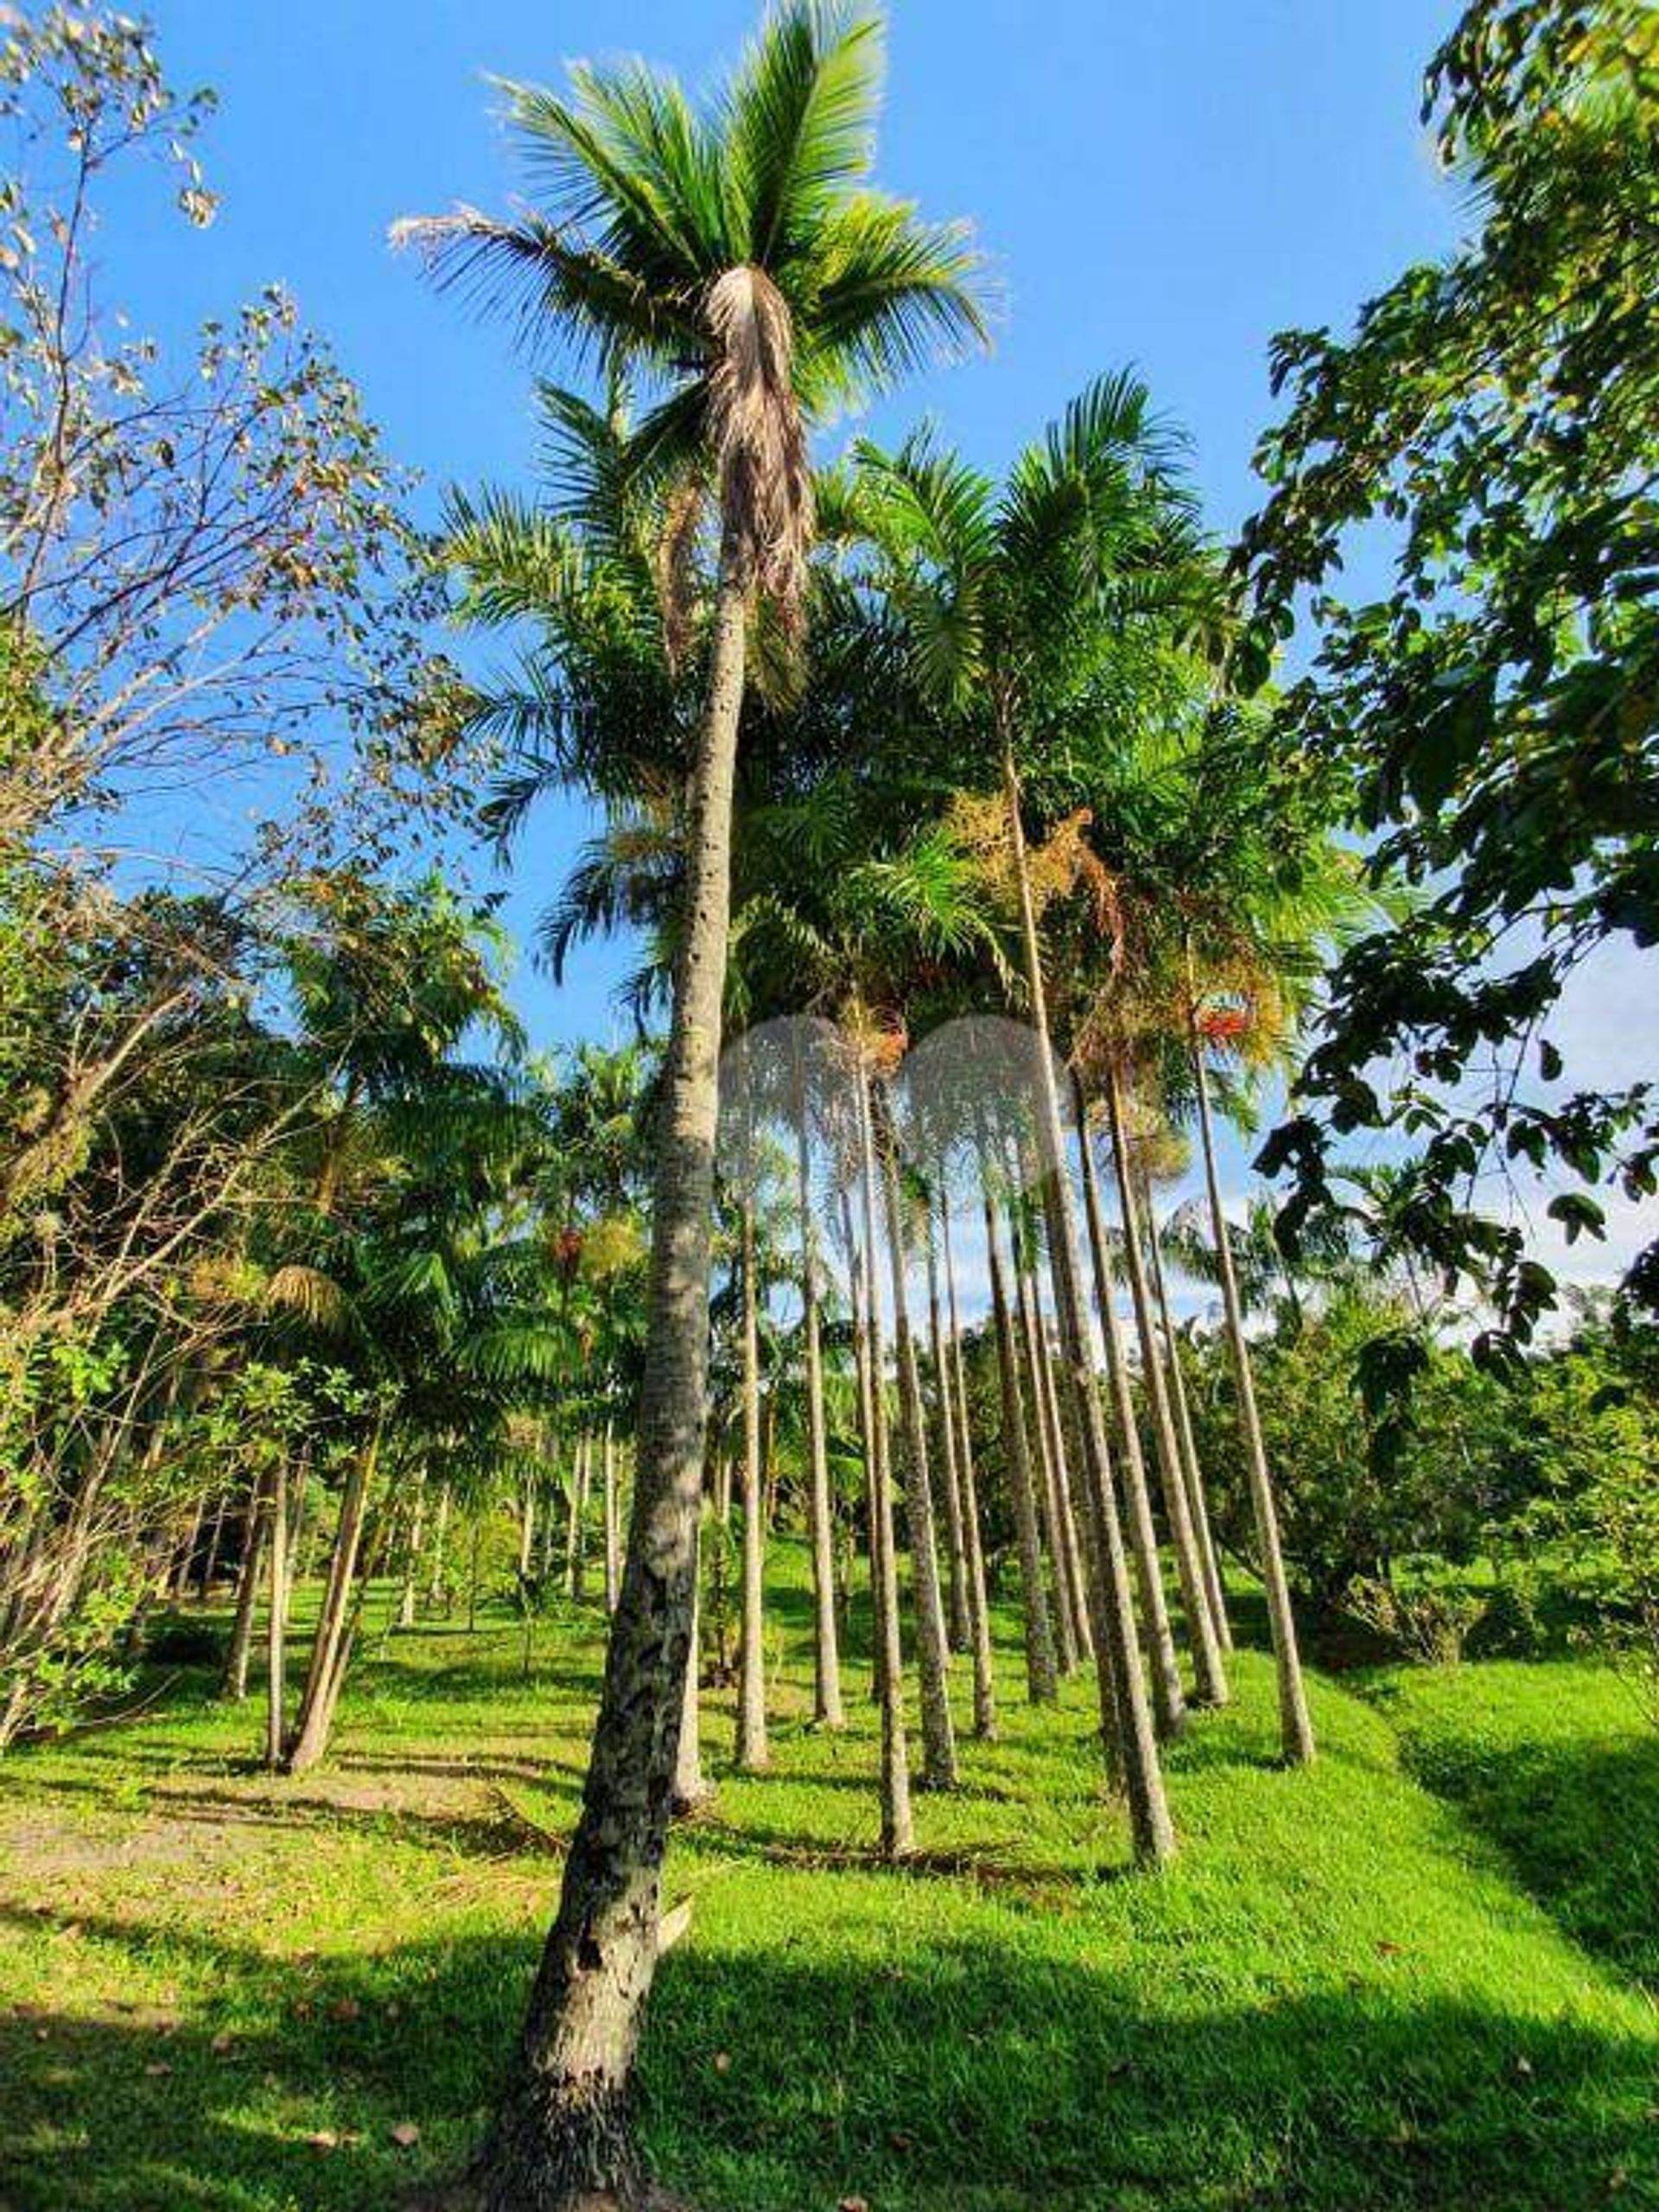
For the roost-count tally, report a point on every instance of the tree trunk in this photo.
(406, 1601)
(247, 1593)
(1197, 1503)
(1040, 1683)
(955, 1385)
(576, 1561)
(1210, 1682)
(613, 1531)
(961, 1625)
(437, 1589)
(752, 1752)
(316, 1700)
(276, 1622)
(563, 2125)
(1060, 1446)
(1125, 1713)
(691, 1787)
(826, 1654)
(1295, 1726)
(527, 1529)
(932, 1650)
(1168, 1700)
(1047, 1482)
(898, 1830)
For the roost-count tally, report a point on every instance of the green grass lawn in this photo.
(1421, 1974)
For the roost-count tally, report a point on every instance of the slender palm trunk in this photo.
(933, 1649)
(826, 1653)
(752, 1750)
(276, 1622)
(1210, 1680)
(691, 1787)
(247, 1592)
(954, 1383)
(1048, 1503)
(1040, 1683)
(1168, 1700)
(410, 1593)
(1060, 1447)
(527, 1530)
(576, 1555)
(1198, 1505)
(321, 1694)
(961, 1624)
(612, 1526)
(898, 1831)
(563, 2126)
(436, 1586)
(1295, 1725)
(1125, 1716)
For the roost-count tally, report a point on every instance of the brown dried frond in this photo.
(758, 435)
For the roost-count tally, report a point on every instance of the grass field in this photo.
(1421, 1975)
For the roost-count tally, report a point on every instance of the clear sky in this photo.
(1160, 181)
(1166, 183)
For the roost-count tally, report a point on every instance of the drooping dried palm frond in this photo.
(757, 436)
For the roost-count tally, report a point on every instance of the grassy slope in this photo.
(1348, 1995)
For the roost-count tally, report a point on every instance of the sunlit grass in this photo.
(1351, 1992)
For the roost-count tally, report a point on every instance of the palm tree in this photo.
(1017, 604)
(736, 254)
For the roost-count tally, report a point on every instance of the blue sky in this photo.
(1160, 181)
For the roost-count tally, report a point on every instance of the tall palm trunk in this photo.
(955, 1385)
(1041, 1684)
(436, 1586)
(932, 1649)
(1295, 1726)
(575, 1561)
(563, 2123)
(318, 1698)
(691, 1788)
(527, 1530)
(1210, 1680)
(1168, 1700)
(276, 1622)
(613, 1529)
(1060, 1447)
(898, 1830)
(1125, 1713)
(961, 1628)
(254, 1523)
(752, 1752)
(1197, 1503)
(410, 1592)
(1046, 1484)
(826, 1654)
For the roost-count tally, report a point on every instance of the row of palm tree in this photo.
(974, 751)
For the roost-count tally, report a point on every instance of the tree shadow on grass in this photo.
(1577, 1823)
(970, 2074)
